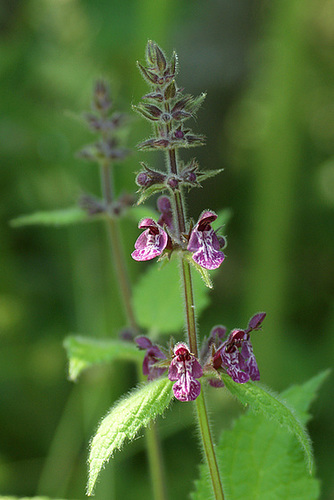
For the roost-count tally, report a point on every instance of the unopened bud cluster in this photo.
(106, 149)
(166, 105)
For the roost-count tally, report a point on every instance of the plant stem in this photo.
(154, 456)
(117, 250)
(151, 433)
(202, 414)
(189, 306)
(208, 445)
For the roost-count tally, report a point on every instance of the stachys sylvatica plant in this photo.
(267, 454)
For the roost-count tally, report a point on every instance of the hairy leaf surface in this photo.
(260, 460)
(263, 401)
(84, 352)
(124, 420)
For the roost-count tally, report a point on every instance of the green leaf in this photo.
(157, 298)
(63, 217)
(260, 460)
(84, 352)
(262, 400)
(301, 396)
(124, 420)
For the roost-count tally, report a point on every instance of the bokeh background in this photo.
(268, 68)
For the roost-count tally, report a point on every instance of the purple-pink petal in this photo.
(207, 255)
(231, 362)
(147, 223)
(143, 342)
(186, 388)
(151, 242)
(256, 321)
(184, 369)
(195, 369)
(204, 243)
(249, 360)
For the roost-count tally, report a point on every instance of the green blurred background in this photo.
(268, 68)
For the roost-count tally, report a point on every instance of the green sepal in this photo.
(145, 193)
(160, 58)
(148, 111)
(62, 217)
(261, 400)
(170, 90)
(123, 422)
(149, 52)
(202, 176)
(84, 352)
(173, 63)
(201, 270)
(195, 103)
(148, 75)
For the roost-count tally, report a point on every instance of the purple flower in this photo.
(255, 323)
(204, 242)
(185, 369)
(152, 356)
(151, 242)
(237, 357)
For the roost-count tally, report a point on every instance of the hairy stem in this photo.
(208, 446)
(202, 414)
(189, 306)
(117, 250)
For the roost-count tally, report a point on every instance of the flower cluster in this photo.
(106, 150)
(234, 355)
(203, 240)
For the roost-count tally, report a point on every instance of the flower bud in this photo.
(143, 179)
(101, 97)
(173, 182)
